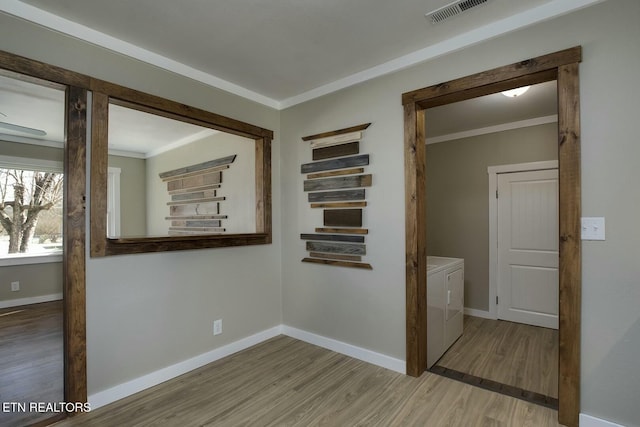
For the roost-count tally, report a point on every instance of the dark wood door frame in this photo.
(563, 67)
(74, 319)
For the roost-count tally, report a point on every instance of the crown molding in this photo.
(493, 129)
(73, 29)
(530, 17)
(533, 16)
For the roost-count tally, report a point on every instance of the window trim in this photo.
(28, 163)
(113, 201)
(30, 259)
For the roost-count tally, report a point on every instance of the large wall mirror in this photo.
(168, 177)
(32, 137)
(42, 320)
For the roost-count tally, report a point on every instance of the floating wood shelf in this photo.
(343, 230)
(353, 171)
(353, 181)
(195, 181)
(198, 229)
(199, 168)
(337, 248)
(197, 223)
(356, 258)
(195, 204)
(169, 218)
(334, 196)
(336, 132)
(336, 151)
(343, 217)
(339, 205)
(196, 201)
(339, 263)
(333, 237)
(192, 189)
(337, 185)
(341, 163)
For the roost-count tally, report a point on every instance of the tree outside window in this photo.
(30, 211)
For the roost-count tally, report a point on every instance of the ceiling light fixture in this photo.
(515, 92)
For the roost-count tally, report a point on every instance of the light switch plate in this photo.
(593, 228)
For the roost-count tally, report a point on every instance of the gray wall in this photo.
(368, 308)
(133, 193)
(238, 182)
(146, 312)
(15, 149)
(457, 196)
(35, 280)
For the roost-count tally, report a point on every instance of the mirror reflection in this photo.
(32, 115)
(167, 177)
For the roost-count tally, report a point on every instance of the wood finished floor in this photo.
(286, 382)
(31, 358)
(510, 353)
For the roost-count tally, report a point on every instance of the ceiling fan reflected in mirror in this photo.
(21, 129)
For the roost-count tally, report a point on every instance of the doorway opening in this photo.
(563, 67)
(472, 146)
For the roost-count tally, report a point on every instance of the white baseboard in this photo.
(136, 385)
(589, 421)
(478, 313)
(32, 300)
(120, 391)
(347, 349)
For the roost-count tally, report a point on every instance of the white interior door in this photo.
(528, 247)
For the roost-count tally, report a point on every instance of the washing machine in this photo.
(445, 305)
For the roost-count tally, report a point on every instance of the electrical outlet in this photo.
(217, 327)
(15, 286)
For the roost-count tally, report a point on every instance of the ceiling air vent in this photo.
(453, 9)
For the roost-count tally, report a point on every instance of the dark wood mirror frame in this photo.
(105, 93)
(74, 262)
(74, 319)
(562, 66)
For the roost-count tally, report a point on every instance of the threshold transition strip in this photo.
(508, 390)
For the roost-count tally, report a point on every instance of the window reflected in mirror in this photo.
(32, 136)
(172, 178)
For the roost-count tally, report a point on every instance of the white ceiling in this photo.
(30, 106)
(37, 105)
(304, 49)
(138, 134)
(34, 105)
(281, 52)
(540, 101)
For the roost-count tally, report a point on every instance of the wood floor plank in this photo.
(286, 382)
(31, 359)
(510, 353)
